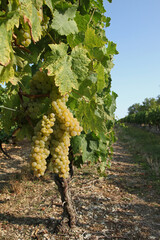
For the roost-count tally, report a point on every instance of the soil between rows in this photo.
(124, 205)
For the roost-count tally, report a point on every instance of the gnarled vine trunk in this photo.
(69, 213)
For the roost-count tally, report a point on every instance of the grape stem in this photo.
(91, 16)
(51, 37)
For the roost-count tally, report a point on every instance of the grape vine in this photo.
(55, 61)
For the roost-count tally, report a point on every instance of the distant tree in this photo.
(148, 103)
(134, 108)
(158, 100)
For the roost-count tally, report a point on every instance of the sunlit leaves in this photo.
(90, 120)
(100, 77)
(74, 50)
(59, 65)
(92, 40)
(5, 45)
(30, 15)
(80, 62)
(63, 22)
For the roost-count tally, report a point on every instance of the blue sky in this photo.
(135, 28)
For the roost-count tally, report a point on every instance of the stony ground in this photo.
(124, 205)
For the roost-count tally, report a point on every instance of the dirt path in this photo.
(125, 205)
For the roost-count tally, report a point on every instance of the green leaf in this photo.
(49, 3)
(100, 77)
(12, 20)
(75, 39)
(82, 21)
(59, 64)
(99, 4)
(63, 23)
(90, 121)
(38, 3)
(7, 74)
(111, 49)
(5, 43)
(30, 15)
(106, 20)
(80, 62)
(92, 40)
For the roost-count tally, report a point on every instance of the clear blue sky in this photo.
(135, 28)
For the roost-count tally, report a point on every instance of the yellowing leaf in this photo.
(59, 64)
(5, 45)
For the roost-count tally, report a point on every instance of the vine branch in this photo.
(33, 96)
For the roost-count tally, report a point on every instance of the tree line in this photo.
(147, 113)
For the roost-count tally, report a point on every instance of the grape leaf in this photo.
(38, 3)
(65, 78)
(82, 21)
(80, 62)
(88, 118)
(5, 43)
(100, 77)
(59, 64)
(12, 20)
(75, 39)
(49, 3)
(63, 23)
(30, 15)
(7, 74)
(92, 40)
(111, 49)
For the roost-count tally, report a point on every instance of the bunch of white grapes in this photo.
(34, 109)
(66, 126)
(60, 150)
(40, 83)
(40, 149)
(65, 117)
(54, 142)
(25, 37)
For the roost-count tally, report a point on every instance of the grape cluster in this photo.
(33, 109)
(65, 126)
(59, 151)
(40, 149)
(25, 37)
(40, 83)
(65, 117)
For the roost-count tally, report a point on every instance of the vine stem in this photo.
(11, 109)
(91, 16)
(32, 96)
(51, 37)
